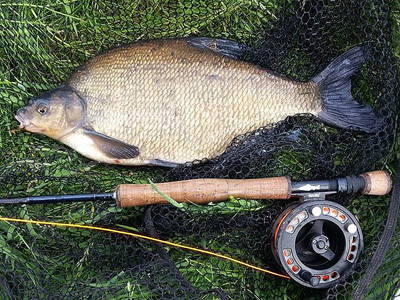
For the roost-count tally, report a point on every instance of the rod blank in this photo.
(58, 199)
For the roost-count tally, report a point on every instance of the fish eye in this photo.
(42, 108)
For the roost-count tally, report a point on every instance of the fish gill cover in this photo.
(43, 42)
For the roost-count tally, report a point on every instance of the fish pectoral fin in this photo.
(111, 147)
(228, 48)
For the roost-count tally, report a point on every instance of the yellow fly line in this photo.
(86, 227)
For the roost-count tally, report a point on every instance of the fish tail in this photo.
(339, 108)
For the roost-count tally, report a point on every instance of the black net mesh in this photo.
(43, 42)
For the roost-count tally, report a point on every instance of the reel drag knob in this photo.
(317, 243)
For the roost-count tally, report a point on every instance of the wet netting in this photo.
(43, 42)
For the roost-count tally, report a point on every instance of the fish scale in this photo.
(181, 103)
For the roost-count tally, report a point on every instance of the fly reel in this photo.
(317, 243)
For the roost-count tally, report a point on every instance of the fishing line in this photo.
(136, 235)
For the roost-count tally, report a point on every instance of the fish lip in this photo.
(20, 120)
(24, 123)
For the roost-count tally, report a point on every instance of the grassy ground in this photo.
(41, 43)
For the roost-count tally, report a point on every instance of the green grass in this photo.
(41, 44)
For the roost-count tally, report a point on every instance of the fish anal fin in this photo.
(163, 163)
(111, 147)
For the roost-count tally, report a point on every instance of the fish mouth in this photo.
(24, 123)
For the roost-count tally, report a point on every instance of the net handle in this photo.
(202, 191)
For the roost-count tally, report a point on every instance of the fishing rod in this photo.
(203, 191)
(315, 242)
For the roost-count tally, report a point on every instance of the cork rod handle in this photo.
(377, 183)
(202, 191)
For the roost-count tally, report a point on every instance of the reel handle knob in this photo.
(314, 281)
(377, 183)
(307, 276)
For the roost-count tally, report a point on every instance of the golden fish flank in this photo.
(166, 102)
(174, 108)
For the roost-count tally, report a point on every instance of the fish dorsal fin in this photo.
(228, 48)
(111, 147)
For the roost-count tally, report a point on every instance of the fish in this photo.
(165, 102)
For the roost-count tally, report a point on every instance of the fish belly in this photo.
(177, 103)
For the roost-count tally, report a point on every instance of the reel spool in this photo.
(317, 243)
